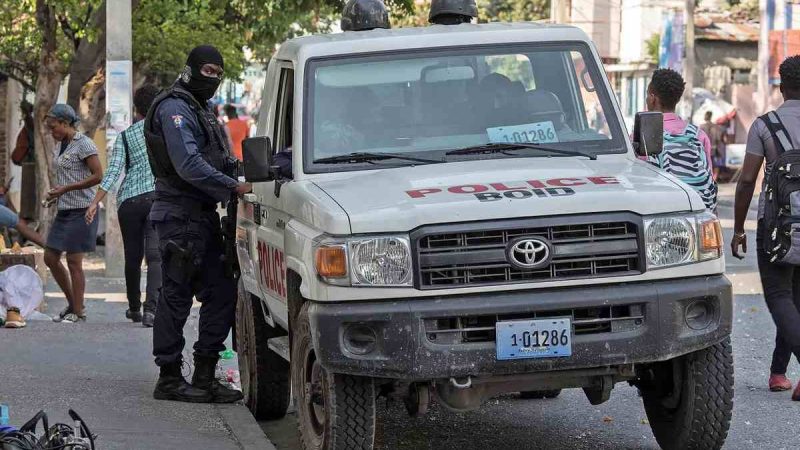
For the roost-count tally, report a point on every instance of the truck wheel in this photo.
(536, 395)
(264, 373)
(334, 411)
(689, 400)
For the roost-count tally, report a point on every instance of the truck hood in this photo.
(401, 199)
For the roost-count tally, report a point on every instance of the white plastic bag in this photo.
(20, 287)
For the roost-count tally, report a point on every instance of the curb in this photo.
(244, 428)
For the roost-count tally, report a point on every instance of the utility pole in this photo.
(762, 93)
(689, 60)
(560, 11)
(119, 82)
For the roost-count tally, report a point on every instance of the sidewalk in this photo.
(103, 370)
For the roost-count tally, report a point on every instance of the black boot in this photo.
(149, 316)
(172, 386)
(204, 378)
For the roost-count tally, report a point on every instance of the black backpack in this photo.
(782, 198)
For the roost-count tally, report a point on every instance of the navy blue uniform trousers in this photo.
(201, 234)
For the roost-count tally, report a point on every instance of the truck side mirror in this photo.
(257, 156)
(648, 133)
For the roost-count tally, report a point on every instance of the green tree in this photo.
(744, 9)
(653, 47)
(44, 41)
(165, 30)
(513, 10)
(41, 42)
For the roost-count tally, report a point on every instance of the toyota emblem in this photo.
(529, 253)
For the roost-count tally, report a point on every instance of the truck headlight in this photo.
(371, 261)
(681, 239)
(384, 261)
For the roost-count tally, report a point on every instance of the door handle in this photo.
(250, 198)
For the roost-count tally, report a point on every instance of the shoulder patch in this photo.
(177, 119)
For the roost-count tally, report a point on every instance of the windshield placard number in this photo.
(532, 133)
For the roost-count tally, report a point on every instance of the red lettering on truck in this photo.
(272, 269)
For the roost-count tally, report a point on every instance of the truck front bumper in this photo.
(452, 336)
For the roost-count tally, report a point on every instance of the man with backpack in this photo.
(687, 149)
(775, 137)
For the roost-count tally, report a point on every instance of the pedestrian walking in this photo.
(687, 149)
(23, 149)
(78, 171)
(191, 162)
(716, 136)
(780, 282)
(134, 199)
(238, 130)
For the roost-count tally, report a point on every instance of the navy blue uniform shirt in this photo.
(184, 137)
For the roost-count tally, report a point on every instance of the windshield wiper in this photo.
(369, 157)
(501, 147)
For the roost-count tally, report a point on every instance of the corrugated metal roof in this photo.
(722, 28)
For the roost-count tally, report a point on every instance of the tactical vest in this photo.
(215, 152)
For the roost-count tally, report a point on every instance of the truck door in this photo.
(273, 219)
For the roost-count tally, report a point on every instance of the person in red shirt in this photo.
(238, 130)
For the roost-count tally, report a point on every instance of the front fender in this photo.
(299, 253)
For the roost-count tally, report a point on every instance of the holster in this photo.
(181, 265)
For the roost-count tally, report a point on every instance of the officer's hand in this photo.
(244, 188)
(739, 239)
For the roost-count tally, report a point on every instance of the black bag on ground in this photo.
(782, 198)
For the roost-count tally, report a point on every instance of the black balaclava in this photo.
(201, 86)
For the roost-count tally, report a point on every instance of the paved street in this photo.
(103, 369)
(761, 419)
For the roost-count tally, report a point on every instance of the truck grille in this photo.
(471, 257)
(585, 321)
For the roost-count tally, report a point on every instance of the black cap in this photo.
(361, 15)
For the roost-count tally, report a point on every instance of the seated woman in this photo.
(10, 219)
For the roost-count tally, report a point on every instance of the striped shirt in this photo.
(71, 168)
(138, 178)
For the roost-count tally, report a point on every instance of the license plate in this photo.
(540, 338)
(532, 133)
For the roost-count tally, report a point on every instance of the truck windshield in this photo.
(427, 104)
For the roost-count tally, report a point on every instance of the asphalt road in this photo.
(761, 419)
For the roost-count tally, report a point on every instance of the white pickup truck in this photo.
(454, 212)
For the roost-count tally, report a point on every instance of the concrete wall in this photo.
(642, 19)
(600, 19)
(713, 53)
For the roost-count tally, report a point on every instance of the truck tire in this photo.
(264, 373)
(537, 395)
(334, 411)
(697, 417)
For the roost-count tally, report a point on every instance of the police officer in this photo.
(452, 12)
(191, 161)
(362, 15)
